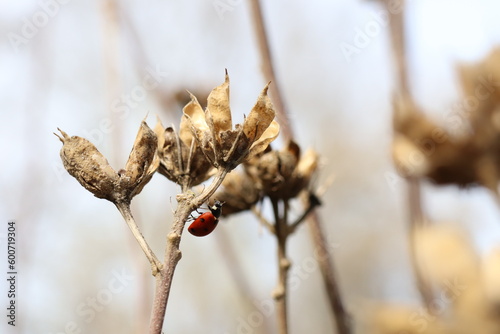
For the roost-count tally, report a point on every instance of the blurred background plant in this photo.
(96, 69)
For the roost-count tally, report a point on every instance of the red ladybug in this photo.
(206, 222)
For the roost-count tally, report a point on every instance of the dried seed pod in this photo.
(142, 162)
(238, 192)
(180, 161)
(283, 174)
(218, 113)
(421, 148)
(260, 117)
(88, 166)
(83, 161)
(224, 146)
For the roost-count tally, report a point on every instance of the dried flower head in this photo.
(239, 192)
(181, 159)
(424, 149)
(283, 174)
(84, 162)
(421, 148)
(213, 131)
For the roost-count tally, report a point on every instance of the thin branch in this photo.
(416, 215)
(124, 209)
(417, 220)
(342, 319)
(186, 205)
(263, 219)
(280, 293)
(268, 70)
(287, 132)
(313, 202)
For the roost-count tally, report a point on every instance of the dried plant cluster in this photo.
(279, 175)
(424, 149)
(460, 291)
(85, 163)
(466, 289)
(206, 146)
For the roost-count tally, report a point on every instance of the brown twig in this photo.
(342, 318)
(287, 132)
(124, 209)
(416, 215)
(268, 70)
(186, 205)
(280, 293)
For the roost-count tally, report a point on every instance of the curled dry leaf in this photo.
(265, 139)
(84, 162)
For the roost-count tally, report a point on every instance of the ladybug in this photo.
(206, 222)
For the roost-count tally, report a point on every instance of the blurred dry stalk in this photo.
(422, 149)
(416, 215)
(342, 319)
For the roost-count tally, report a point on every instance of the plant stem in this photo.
(416, 221)
(268, 70)
(416, 215)
(186, 205)
(287, 132)
(312, 203)
(280, 293)
(342, 319)
(124, 209)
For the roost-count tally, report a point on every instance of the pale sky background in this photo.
(72, 73)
